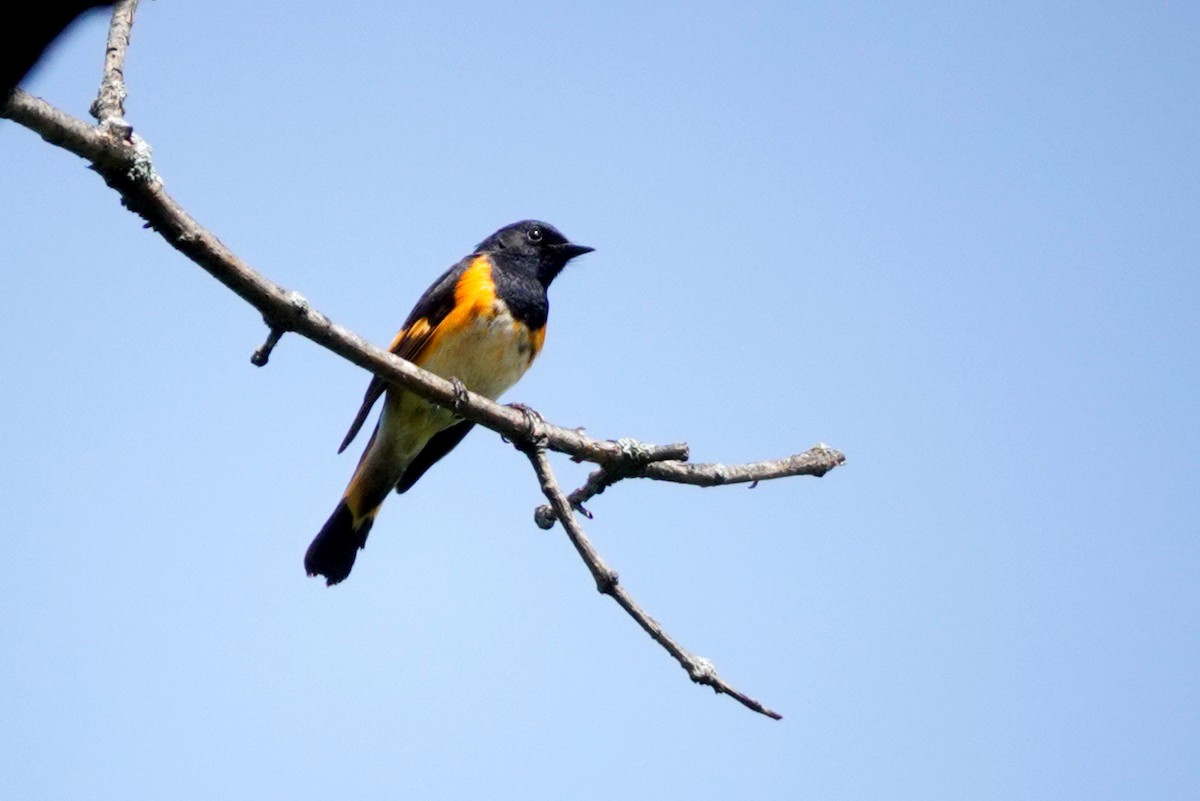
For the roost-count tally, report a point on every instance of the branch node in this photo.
(634, 451)
(632, 460)
(607, 581)
(703, 671)
(141, 170)
(118, 127)
(298, 303)
(830, 456)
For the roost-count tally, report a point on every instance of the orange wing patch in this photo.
(400, 335)
(474, 295)
(475, 287)
(412, 340)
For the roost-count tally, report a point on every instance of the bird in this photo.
(482, 323)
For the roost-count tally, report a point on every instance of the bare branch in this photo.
(124, 163)
(119, 163)
(817, 461)
(700, 670)
(110, 102)
(70, 133)
(123, 160)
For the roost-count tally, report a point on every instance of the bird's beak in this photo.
(571, 250)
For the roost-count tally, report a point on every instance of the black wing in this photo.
(430, 310)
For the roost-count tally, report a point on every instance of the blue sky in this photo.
(958, 242)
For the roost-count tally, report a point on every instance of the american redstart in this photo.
(482, 322)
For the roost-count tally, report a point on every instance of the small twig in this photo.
(700, 670)
(816, 461)
(110, 102)
(263, 354)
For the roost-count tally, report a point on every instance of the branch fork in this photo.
(699, 669)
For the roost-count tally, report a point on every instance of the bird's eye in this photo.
(534, 235)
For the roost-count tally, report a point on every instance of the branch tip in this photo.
(263, 354)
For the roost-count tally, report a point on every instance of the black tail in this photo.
(332, 553)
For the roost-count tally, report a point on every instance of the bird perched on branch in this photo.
(482, 322)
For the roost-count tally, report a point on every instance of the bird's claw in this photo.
(461, 393)
(533, 424)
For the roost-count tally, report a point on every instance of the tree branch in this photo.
(637, 457)
(699, 669)
(110, 102)
(664, 466)
(123, 160)
(127, 169)
(817, 461)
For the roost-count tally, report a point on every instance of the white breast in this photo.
(489, 355)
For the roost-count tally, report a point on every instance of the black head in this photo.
(533, 243)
